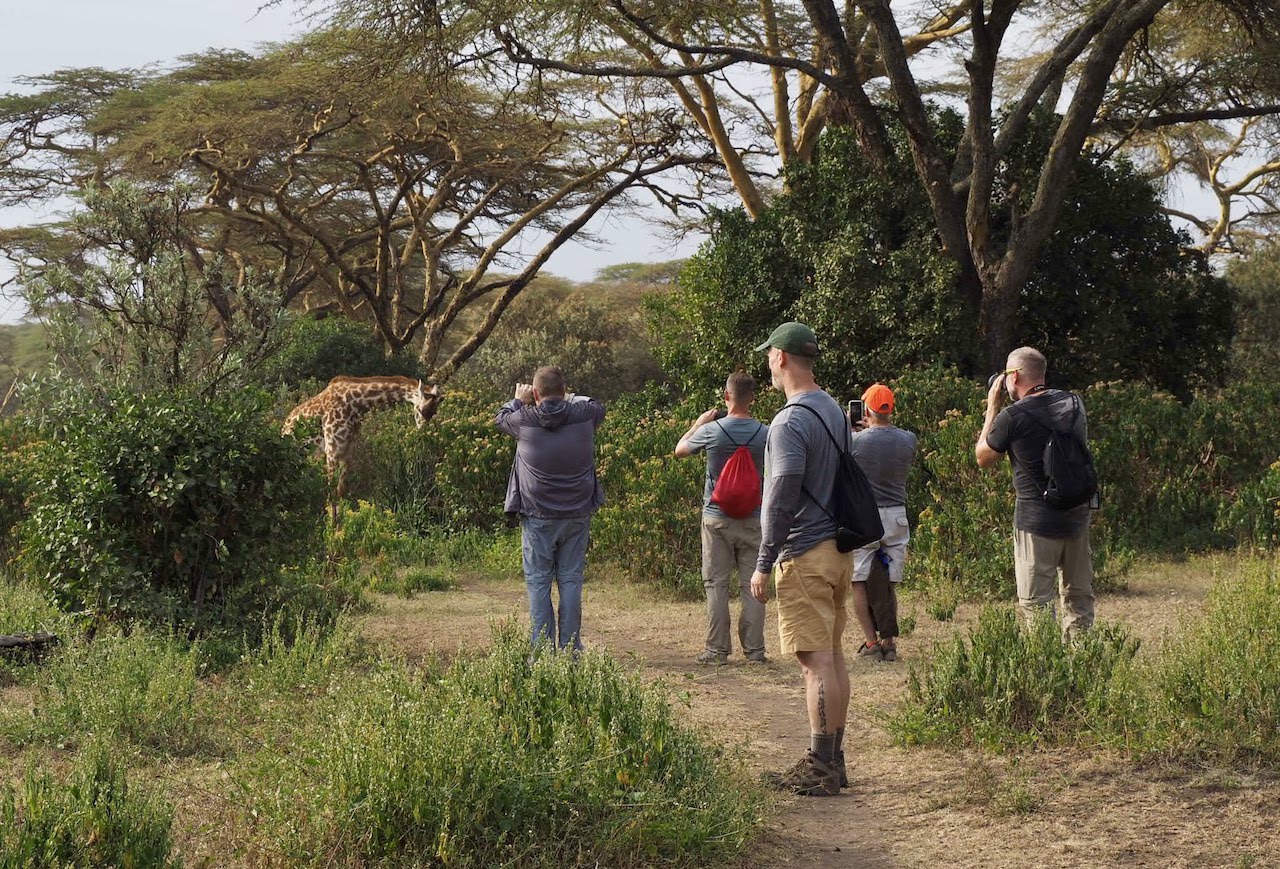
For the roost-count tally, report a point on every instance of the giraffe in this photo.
(341, 407)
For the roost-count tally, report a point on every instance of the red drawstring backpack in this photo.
(737, 489)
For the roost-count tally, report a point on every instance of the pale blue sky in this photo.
(40, 37)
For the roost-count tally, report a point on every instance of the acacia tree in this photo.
(836, 52)
(1156, 111)
(402, 200)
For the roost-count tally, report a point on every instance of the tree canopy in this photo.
(850, 251)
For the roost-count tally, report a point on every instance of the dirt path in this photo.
(918, 807)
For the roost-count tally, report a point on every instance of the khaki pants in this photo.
(729, 550)
(1045, 567)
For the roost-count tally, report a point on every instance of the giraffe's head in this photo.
(425, 402)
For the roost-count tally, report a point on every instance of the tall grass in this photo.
(1005, 685)
(24, 610)
(138, 687)
(500, 761)
(96, 818)
(1212, 693)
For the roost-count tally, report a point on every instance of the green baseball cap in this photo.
(794, 338)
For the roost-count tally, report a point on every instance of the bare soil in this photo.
(906, 807)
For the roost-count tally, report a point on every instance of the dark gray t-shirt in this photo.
(798, 446)
(1018, 432)
(718, 438)
(885, 453)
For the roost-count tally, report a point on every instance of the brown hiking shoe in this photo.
(810, 777)
(712, 658)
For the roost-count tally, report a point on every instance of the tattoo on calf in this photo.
(822, 707)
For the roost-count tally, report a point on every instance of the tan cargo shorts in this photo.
(811, 591)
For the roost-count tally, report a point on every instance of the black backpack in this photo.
(1068, 465)
(853, 503)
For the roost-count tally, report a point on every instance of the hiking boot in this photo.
(871, 651)
(756, 658)
(710, 657)
(810, 777)
(889, 653)
(841, 770)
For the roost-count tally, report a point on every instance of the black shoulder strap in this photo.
(1046, 422)
(821, 422)
(725, 432)
(747, 442)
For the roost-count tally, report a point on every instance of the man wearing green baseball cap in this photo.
(798, 547)
(795, 338)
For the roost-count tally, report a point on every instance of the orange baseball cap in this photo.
(878, 398)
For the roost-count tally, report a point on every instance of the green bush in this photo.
(17, 447)
(1006, 685)
(316, 351)
(598, 340)
(565, 761)
(96, 819)
(961, 545)
(449, 476)
(649, 526)
(138, 687)
(170, 508)
(1254, 517)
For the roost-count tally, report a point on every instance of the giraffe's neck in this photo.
(367, 397)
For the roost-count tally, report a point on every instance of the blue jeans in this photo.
(555, 549)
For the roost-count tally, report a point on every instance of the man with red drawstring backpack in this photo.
(734, 443)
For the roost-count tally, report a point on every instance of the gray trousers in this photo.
(729, 551)
(1046, 568)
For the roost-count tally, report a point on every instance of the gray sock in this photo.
(839, 739)
(823, 745)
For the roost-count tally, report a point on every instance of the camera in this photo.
(856, 412)
(993, 378)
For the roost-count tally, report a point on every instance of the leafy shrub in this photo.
(568, 761)
(598, 340)
(649, 525)
(17, 447)
(316, 351)
(449, 476)
(1254, 517)
(962, 541)
(138, 687)
(96, 819)
(1007, 685)
(168, 507)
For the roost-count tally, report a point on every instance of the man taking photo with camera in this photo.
(1050, 535)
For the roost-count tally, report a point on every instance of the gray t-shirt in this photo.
(1020, 431)
(718, 438)
(885, 453)
(799, 447)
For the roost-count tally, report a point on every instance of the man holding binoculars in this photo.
(1050, 538)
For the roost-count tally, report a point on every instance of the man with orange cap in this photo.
(885, 453)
